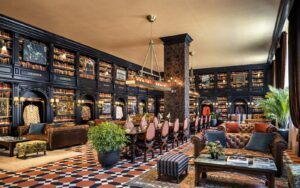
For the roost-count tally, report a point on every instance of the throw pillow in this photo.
(36, 128)
(232, 127)
(260, 142)
(212, 136)
(261, 127)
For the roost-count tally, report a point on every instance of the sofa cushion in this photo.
(261, 127)
(244, 152)
(36, 128)
(260, 142)
(212, 136)
(232, 127)
(36, 137)
(237, 140)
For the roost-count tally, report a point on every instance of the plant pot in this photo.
(214, 122)
(108, 159)
(284, 133)
(214, 155)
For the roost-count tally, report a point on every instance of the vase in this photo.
(214, 155)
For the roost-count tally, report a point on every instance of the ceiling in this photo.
(225, 32)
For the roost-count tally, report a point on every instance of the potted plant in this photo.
(276, 107)
(215, 149)
(107, 139)
(213, 119)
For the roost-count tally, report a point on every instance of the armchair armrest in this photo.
(199, 144)
(222, 127)
(277, 147)
(23, 130)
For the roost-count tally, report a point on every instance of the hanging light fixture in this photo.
(192, 91)
(149, 79)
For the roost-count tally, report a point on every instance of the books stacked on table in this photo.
(258, 161)
(238, 160)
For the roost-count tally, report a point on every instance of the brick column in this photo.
(176, 65)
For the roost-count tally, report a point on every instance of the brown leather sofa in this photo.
(58, 137)
(237, 141)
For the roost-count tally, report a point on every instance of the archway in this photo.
(33, 108)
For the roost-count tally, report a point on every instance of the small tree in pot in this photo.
(108, 139)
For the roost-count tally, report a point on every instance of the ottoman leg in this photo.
(45, 152)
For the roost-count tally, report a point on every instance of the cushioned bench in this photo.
(172, 165)
(34, 146)
(293, 173)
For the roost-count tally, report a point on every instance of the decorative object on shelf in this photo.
(87, 68)
(105, 106)
(5, 47)
(215, 149)
(107, 139)
(145, 82)
(276, 106)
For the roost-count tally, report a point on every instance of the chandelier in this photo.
(149, 79)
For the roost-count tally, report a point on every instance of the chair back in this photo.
(165, 129)
(176, 126)
(129, 125)
(186, 124)
(150, 133)
(155, 121)
(201, 120)
(197, 121)
(143, 124)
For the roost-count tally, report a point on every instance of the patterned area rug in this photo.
(214, 180)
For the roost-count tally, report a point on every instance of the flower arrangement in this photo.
(215, 149)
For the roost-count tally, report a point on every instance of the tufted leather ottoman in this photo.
(30, 147)
(293, 173)
(172, 165)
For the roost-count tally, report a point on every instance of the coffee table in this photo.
(204, 164)
(10, 143)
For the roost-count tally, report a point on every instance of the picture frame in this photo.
(35, 52)
(239, 78)
(121, 74)
(4, 107)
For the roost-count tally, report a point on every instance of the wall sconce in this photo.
(215, 104)
(18, 100)
(251, 104)
(80, 102)
(100, 103)
(228, 104)
(53, 102)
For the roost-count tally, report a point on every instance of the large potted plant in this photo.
(107, 139)
(276, 107)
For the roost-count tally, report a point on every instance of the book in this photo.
(238, 159)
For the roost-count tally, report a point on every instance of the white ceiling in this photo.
(225, 32)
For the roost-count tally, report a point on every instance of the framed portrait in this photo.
(239, 78)
(106, 109)
(4, 107)
(121, 74)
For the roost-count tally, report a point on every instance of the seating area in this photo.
(144, 94)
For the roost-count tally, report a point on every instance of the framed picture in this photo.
(4, 107)
(106, 109)
(121, 74)
(35, 52)
(239, 78)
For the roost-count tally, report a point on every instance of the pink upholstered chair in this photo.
(143, 124)
(164, 134)
(155, 121)
(149, 140)
(185, 133)
(175, 133)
